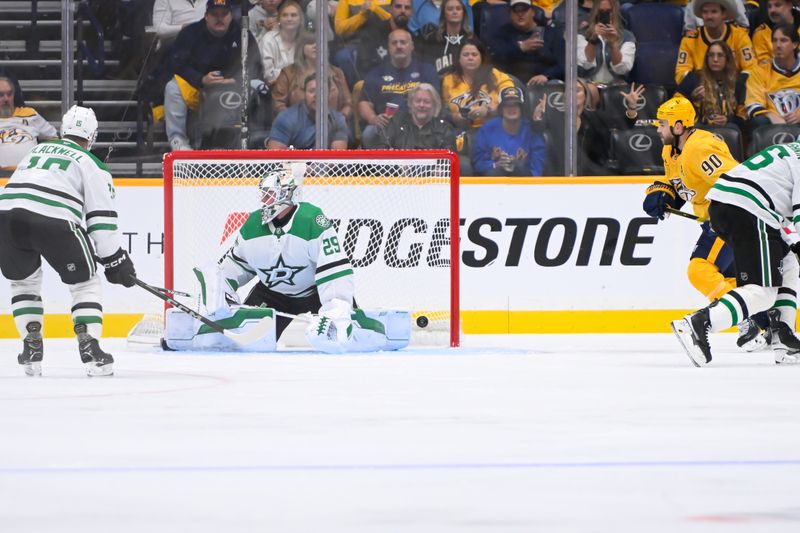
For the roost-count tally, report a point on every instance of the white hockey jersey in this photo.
(766, 185)
(19, 133)
(59, 179)
(292, 259)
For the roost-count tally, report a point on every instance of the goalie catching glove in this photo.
(119, 268)
(658, 196)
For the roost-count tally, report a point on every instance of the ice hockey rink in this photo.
(510, 433)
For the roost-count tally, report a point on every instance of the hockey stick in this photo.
(253, 333)
(684, 214)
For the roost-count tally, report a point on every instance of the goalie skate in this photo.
(692, 332)
(96, 361)
(32, 350)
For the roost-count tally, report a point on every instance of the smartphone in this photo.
(604, 17)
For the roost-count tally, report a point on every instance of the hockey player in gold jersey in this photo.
(693, 160)
(716, 27)
(773, 89)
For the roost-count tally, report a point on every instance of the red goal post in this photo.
(396, 213)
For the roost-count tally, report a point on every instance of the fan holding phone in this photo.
(606, 51)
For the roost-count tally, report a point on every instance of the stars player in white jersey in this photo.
(294, 251)
(59, 205)
(755, 208)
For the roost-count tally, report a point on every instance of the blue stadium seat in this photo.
(773, 134)
(658, 28)
(636, 151)
(655, 22)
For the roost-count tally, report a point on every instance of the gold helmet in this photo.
(677, 109)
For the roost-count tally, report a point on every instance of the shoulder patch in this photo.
(323, 221)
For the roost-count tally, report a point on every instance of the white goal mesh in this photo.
(392, 210)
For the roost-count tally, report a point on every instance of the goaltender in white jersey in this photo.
(57, 186)
(294, 251)
(755, 208)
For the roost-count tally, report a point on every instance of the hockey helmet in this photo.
(677, 109)
(280, 189)
(80, 122)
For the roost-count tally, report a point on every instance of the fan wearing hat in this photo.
(717, 26)
(507, 145)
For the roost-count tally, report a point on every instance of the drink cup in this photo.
(391, 109)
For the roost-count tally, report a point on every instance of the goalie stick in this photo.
(254, 333)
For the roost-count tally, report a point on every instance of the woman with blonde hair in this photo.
(277, 47)
(288, 88)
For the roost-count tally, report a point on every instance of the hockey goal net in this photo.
(395, 212)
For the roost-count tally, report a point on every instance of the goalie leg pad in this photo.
(184, 333)
(367, 331)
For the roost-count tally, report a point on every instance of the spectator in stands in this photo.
(716, 27)
(547, 6)
(429, 13)
(21, 128)
(533, 54)
(420, 127)
(311, 16)
(507, 145)
(606, 52)
(738, 15)
(263, 17)
(442, 42)
(295, 127)
(372, 48)
(351, 17)
(288, 89)
(205, 55)
(773, 89)
(778, 12)
(386, 86)
(170, 16)
(718, 90)
(277, 46)
(472, 91)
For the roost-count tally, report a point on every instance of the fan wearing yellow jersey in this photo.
(716, 27)
(773, 89)
(693, 160)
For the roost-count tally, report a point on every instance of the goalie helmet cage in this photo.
(396, 213)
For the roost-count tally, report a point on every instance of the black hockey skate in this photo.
(785, 345)
(751, 337)
(32, 350)
(96, 361)
(692, 332)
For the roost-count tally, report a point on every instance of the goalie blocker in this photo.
(362, 331)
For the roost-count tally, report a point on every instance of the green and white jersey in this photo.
(766, 185)
(59, 179)
(292, 259)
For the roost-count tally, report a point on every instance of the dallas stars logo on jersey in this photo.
(280, 273)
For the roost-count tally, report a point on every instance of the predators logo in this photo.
(786, 101)
(466, 101)
(13, 135)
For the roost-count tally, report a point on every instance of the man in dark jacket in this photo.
(206, 54)
(419, 128)
(532, 53)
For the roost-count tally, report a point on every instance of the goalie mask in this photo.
(280, 190)
(80, 122)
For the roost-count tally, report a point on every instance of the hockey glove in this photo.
(119, 268)
(659, 196)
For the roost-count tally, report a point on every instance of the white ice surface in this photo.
(510, 434)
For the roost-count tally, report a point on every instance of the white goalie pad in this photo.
(184, 333)
(366, 331)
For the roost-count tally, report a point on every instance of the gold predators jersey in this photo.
(762, 42)
(695, 43)
(693, 170)
(772, 89)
